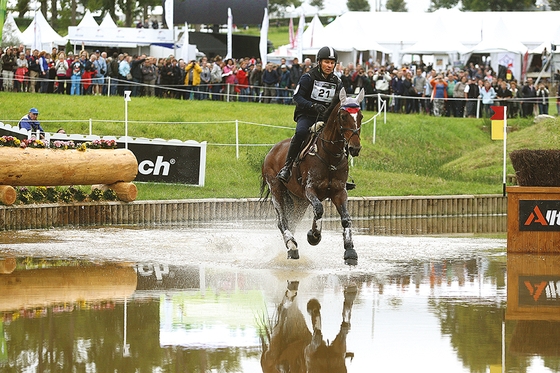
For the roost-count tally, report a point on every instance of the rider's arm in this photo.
(303, 92)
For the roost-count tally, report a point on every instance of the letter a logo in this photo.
(536, 217)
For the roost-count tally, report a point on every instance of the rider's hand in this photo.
(319, 109)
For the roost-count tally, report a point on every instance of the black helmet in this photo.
(327, 53)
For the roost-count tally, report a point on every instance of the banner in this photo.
(301, 26)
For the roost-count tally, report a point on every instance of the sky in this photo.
(337, 7)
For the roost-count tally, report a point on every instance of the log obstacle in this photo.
(115, 168)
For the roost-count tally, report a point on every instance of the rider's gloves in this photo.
(319, 109)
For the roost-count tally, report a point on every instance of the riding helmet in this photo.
(327, 53)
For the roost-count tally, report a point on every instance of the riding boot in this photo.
(286, 171)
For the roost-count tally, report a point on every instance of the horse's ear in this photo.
(342, 95)
(360, 95)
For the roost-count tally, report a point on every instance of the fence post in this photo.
(90, 127)
(237, 138)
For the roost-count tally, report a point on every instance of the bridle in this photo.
(351, 108)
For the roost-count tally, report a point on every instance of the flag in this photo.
(168, 7)
(291, 33)
(229, 31)
(300, 37)
(36, 43)
(185, 48)
(498, 122)
(263, 44)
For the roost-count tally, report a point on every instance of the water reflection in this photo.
(445, 310)
(289, 346)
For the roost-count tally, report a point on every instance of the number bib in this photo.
(323, 91)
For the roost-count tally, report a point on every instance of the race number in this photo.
(323, 91)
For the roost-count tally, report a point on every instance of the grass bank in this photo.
(412, 155)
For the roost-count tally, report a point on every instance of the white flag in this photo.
(169, 13)
(36, 43)
(300, 37)
(229, 31)
(263, 44)
(185, 48)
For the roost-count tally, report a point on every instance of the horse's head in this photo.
(350, 120)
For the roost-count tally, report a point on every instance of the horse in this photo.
(289, 346)
(319, 174)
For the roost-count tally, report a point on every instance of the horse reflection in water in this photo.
(290, 347)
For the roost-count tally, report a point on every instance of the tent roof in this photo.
(10, 32)
(443, 44)
(40, 32)
(88, 20)
(108, 22)
(499, 41)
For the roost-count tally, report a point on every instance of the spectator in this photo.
(284, 85)
(8, 67)
(296, 72)
(124, 74)
(29, 122)
(34, 71)
(228, 73)
(243, 82)
(113, 73)
(439, 95)
(21, 72)
(149, 76)
(369, 91)
(76, 77)
(419, 83)
(542, 98)
(504, 95)
(270, 82)
(487, 94)
(216, 78)
(136, 74)
(450, 103)
(205, 77)
(459, 97)
(69, 62)
(471, 96)
(255, 80)
(61, 67)
(529, 94)
(192, 79)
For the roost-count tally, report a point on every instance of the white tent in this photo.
(108, 22)
(40, 35)
(88, 20)
(10, 33)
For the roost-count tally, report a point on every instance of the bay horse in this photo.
(289, 346)
(317, 175)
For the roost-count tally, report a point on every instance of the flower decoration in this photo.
(9, 141)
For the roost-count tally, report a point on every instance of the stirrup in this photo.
(284, 174)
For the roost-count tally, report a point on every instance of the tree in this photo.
(447, 4)
(554, 4)
(358, 5)
(498, 5)
(396, 6)
(278, 6)
(317, 3)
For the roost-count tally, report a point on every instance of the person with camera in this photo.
(315, 97)
(192, 80)
(382, 79)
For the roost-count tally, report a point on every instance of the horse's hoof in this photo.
(293, 254)
(313, 237)
(350, 257)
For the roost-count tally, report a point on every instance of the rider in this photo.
(315, 96)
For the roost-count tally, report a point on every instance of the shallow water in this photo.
(197, 299)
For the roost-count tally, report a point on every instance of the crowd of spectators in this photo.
(467, 92)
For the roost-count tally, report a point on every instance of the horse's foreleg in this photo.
(315, 203)
(350, 255)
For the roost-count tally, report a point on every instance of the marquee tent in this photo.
(88, 20)
(10, 32)
(40, 35)
(108, 22)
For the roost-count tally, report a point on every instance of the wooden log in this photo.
(50, 167)
(126, 192)
(7, 195)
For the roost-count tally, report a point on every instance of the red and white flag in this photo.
(292, 35)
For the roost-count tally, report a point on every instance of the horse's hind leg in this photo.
(284, 207)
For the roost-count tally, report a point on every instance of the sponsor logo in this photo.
(539, 290)
(159, 167)
(539, 215)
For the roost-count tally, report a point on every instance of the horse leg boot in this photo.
(295, 145)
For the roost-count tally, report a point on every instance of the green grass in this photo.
(413, 154)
